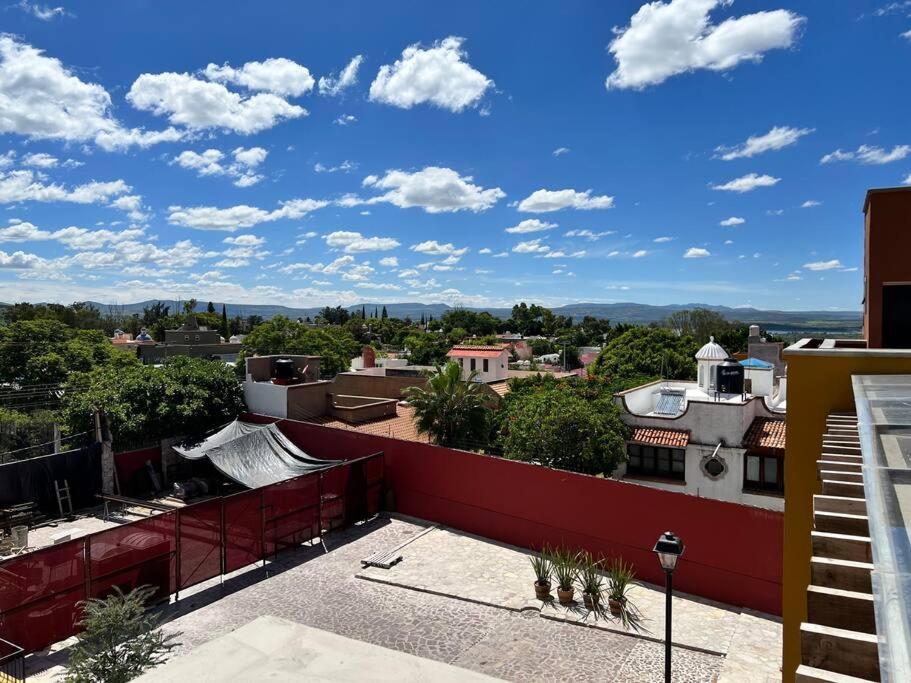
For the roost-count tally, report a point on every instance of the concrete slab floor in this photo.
(316, 588)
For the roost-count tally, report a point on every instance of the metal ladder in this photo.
(63, 497)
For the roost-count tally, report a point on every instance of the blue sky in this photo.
(322, 153)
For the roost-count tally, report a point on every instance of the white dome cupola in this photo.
(707, 358)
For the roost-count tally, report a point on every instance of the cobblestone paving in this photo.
(320, 589)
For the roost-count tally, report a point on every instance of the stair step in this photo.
(841, 609)
(841, 546)
(848, 506)
(839, 650)
(841, 523)
(809, 674)
(842, 475)
(848, 489)
(842, 457)
(843, 574)
(838, 466)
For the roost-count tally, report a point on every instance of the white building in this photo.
(490, 362)
(718, 437)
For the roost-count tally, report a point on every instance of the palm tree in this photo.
(451, 410)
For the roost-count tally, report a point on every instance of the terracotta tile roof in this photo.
(765, 432)
(399, 427)
(467, 351)
(500, 388)
(674, 438)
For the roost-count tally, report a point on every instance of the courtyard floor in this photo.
(323, 590)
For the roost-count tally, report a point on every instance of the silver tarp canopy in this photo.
(253, 455)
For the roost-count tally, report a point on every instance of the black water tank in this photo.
(284, 368)
(729, 377)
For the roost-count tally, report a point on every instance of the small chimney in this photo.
(369, 356)
(754, 333)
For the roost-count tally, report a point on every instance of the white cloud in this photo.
(868, 154)
(732, 221)
(245, 240)
(434, 189)
(640, 253)
(662, 240)
(40, 160)
(729, 241)
(330, 85)
(531, 247)
(43, 100)
(530, 225)
(240, 216)
(345, 119)
(823, 265)
(202, 105)
(389, 262)
(436, 75)
(560, 151)
(345, 167)
(777, 138)
(434, 248)
(906, 34)
(355, 242)
(132, 205)
(485, 250)
(277, 75)
(24, 185)
(696, 252)
(665, 39)
(20, 260)
(378, 285)
(588, 234)
(543, 201)
(747, 183)
(210, 163)
(42, 12)
(562, 254)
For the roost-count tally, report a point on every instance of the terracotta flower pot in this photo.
(542, 590)
(565, 596)
(616, 606)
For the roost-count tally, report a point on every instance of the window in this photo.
(461, 362)
(472, 363)
(197, 337)
(485, 365)
(763, 472)
(656, 461)
(186, 337)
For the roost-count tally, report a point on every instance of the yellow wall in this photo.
(819, 382)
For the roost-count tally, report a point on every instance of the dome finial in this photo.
(711, 339)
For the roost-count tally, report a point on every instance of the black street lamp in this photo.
(668, 549)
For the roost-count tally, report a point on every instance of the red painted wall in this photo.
(733, 552)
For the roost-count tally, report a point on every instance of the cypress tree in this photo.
(225, 330)
(385, 315)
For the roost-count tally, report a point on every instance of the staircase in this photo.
(838, 640)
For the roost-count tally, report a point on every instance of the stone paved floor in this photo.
(320, 589)
(499, 574)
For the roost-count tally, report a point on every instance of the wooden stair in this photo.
(838, 640)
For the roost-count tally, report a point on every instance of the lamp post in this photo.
(668, 549)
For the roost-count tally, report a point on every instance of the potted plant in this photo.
(566, 568)
(543, 566)
(590, 580)
(620, 577)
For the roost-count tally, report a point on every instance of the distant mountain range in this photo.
(774, 321)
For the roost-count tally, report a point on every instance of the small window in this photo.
(667, 463)
(485, 365)
(764, 472)
(197, 337)
(186, 337)
(462, 362)
(472, 363)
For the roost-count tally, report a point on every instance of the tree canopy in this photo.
(646, 352)
(451, 410)
(567, 425)
(145, 403)
(277, 335)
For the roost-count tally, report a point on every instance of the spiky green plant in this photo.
(119, 640)
(590, 579)
(543, 566)
(620, 577)
(451, 410)
(566, 568)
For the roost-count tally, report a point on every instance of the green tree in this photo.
(189, 306)
(119, 641)
(211, 307)
(384, 314)
(426, 348)
(647, 352)
(557, 426)
(142, 402)
(450, 410)
(336, 345)
(224, 329)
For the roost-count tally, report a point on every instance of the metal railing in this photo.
(12, 662)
